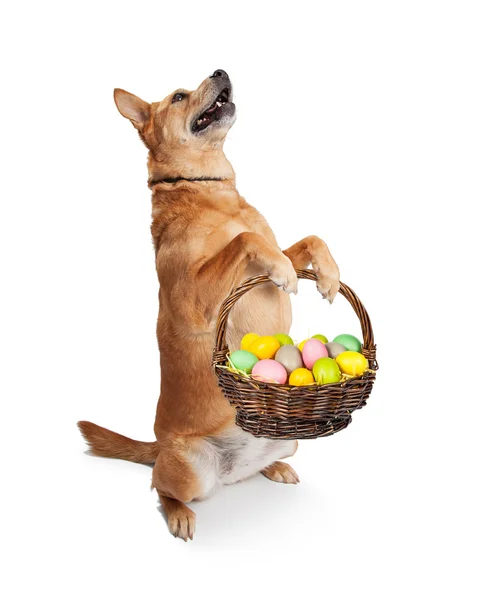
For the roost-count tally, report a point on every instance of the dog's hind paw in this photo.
(181, 520)
(281, 472)
(182, 524)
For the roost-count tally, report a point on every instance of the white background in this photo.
(357, 121)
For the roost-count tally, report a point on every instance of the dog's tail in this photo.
(104, 442)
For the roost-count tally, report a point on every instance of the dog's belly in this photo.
(233, 456)
(248, 455)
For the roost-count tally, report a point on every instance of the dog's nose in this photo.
(220, 73)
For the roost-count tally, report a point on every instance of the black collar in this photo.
(152, 182)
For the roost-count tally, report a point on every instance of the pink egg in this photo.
(269, 371)
(312, 350)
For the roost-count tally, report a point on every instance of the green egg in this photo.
(283, 339)
(349, 342)
(326, 370)
(243, 360)
(321, 338)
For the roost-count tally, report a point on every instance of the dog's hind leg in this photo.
(176, 483)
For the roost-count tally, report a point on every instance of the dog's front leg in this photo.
(313, 251)
(215, 277)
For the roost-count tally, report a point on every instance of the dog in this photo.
(207, 240)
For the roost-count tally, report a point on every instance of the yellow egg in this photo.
(301, 377)
(247, 340)
(264, 347)
(301, 346)
(352, 363)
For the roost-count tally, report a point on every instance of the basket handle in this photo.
(221, 347)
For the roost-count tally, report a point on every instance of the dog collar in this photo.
(152, 182)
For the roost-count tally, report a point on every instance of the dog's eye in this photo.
(177, 98)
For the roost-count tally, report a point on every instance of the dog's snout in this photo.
(220, 73)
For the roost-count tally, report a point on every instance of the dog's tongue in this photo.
(211, 109)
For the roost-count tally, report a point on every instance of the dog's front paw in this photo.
(284, 275)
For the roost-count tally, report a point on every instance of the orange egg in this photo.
(264, 347)
(301, 377)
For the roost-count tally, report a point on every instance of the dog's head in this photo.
(184, 132)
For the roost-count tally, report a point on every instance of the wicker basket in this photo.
(276, 411)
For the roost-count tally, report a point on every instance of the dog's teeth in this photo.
(218, 104)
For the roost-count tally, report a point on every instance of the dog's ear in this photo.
(132, 107)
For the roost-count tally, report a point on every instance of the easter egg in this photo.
(326, 370)
(265, 346)
(312, 350)
(283, 339)
(243, 360)
(301, 345)
(321, 338)
(301, 377)
(269, 371)
(348, 341)
(247, 340)
(352, 363)
(290, 357)
(334, 349)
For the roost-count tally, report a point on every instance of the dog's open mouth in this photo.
(213, 113)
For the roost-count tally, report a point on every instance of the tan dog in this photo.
(207, 240)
